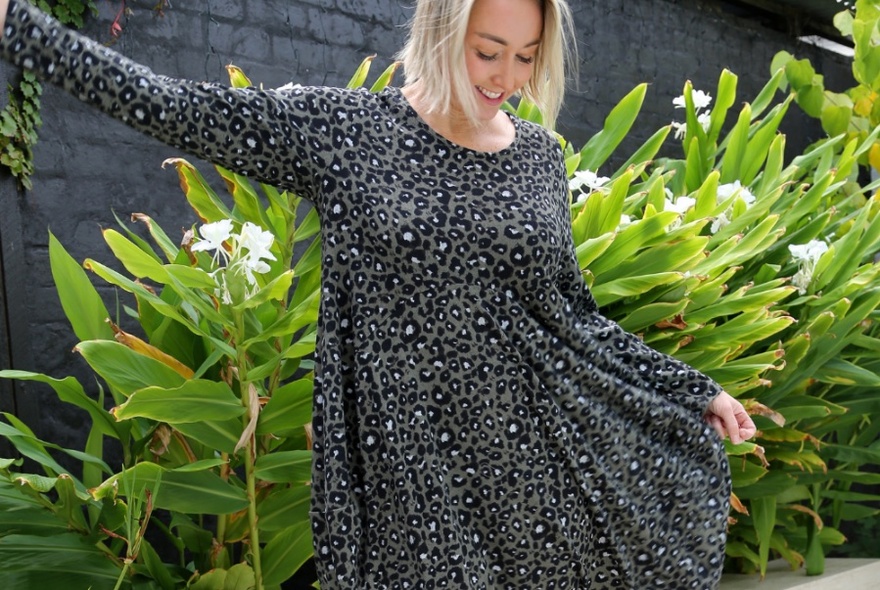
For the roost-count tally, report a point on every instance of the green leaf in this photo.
(843, 372)
(194, 401)
(759, 144)
(630, 240)
(190, 276)
(200, 492)
(646, 152)
(764, 516)
(385, 77)
(289, 408)
(276, 290)
(135, 260)
(588, 250)
(360, 75)
(26, 443)
(286, 553)
(81, 303)
(284, 508)
(776, 82)
(169, 248)
(835, 119)
(308, 227)
(220, 435)
(737, 147)
(126, 370)
(744, 473)
(200, 195)
(160, 305)
(285, 467)
(632, 286)
(648, 315)
(70, 391)
(65, 560)
(617, 125)
(247, 203)
(23, 514)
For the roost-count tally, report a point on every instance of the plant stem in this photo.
(221, 519)
(252, 514)
(250, 451)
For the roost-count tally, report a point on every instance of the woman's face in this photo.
(500, 46)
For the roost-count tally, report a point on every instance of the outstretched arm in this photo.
(269, 135)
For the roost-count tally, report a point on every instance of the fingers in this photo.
(728, 418)
(747, 428)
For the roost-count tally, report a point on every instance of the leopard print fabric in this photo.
(478, 424)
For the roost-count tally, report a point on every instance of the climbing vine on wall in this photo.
(18, 128)
(70, 12)
(20, 118)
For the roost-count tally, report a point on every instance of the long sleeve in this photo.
(270, 135)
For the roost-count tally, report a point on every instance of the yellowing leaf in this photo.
(145, 348)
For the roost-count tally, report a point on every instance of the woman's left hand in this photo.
(729, 418)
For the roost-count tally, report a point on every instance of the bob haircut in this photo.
(434, 55)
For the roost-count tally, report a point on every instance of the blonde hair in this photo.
(434, 56)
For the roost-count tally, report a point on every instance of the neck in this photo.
(454, 125)
(451, 122)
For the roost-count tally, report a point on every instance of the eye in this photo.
(526, 60)
(486, 56)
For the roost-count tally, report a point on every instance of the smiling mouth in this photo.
(488, 94)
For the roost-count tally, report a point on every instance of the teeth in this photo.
(489, 95)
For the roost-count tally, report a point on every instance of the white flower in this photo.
(701, 100)
(253, 247)
(213, 235)
(809, 252)
(720, 223)
(806, 255)
(587, 178)
(680, 129)
(801, 280)
(256, 241)
(725, 191)
(252, 265)
(705, 121)
(679, 205)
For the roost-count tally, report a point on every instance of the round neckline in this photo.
(418, 121)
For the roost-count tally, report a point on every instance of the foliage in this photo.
(211, 406)
(761, 275)
(69, 12)
(18, 128)
(855, 112)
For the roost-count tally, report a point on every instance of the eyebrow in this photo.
(501, 41)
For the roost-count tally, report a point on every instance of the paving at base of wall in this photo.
(851, 574)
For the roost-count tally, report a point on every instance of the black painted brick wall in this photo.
(89, 165)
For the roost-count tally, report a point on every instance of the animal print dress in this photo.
(478, 424)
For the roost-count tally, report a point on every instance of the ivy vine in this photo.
(20, 119)
(69, 12)
(18, 128)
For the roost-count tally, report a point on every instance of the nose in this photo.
(504, 75)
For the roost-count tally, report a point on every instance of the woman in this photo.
(478, 424)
